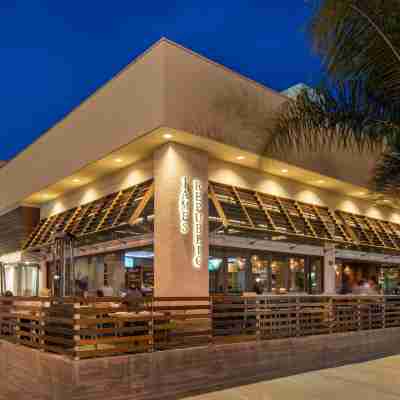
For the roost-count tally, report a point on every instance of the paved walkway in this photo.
(374, 380)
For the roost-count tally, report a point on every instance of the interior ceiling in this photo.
(144, 146)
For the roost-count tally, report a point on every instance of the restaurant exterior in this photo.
(149, 184)
(176, 211)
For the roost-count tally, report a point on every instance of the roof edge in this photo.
(162, 40)
(227, 69)
(89, 97)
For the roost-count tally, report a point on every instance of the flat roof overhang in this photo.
(144, 147)
(158, 90)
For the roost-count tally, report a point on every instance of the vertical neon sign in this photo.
(184, 206)
(191, 201)
(197, 204)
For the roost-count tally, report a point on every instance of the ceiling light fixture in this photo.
(240, 158)
(285, 171)
(119, 160)
(320, 181)
(76, 180)
(167, 136)
(279, 237)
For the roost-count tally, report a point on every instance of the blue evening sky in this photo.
(53, 54)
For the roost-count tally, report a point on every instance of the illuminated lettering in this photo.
(184, 206)
(197, 205)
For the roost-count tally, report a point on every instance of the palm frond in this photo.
(341, 115)
(360, 39)
(386, 180)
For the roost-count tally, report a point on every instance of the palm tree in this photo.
(358, 104)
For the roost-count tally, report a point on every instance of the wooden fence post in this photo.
(298, 310)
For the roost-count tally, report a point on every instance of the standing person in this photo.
(257, 288)
(133, 299)
(346, 286)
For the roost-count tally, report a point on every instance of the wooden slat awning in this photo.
(246, 211)
(109, 212)
(237, 210)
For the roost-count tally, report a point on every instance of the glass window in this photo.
(296, 275)
(280, 275)
(236, 274)
(22, 279)
(390, 280)
(315, 278)
(261, 273)
(216, 278)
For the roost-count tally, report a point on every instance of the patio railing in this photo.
(95, 327)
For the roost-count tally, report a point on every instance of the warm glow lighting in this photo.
(167, 136)
(76, 180)
(320, 181)
(285, 171)
(119, 160)
(240, 158)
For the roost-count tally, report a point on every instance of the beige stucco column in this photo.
(181, 222)
(329, 269)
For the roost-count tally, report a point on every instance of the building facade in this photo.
(162, 186)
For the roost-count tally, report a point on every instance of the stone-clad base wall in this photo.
(33, 375)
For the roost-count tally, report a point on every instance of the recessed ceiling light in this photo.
(167, 136)
(386, 200)
(240, 158)
(285, 171)
(320, 181)
(362, 193)
(76, 180)
(119, 160)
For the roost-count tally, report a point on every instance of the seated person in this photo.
(107, 290)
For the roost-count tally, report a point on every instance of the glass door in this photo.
(20, 279)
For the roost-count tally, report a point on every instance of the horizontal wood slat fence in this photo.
(96, 327)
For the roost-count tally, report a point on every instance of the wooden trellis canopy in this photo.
(109, 212)
(240, 210)
(248, 210)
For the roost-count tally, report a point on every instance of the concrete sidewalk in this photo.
(374, 380)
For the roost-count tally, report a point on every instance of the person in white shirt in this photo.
(107, 290)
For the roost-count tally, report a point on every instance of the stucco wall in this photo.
(167, 86)
(132, 175)
(233, 174)
(194, 86)
(228, 173)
